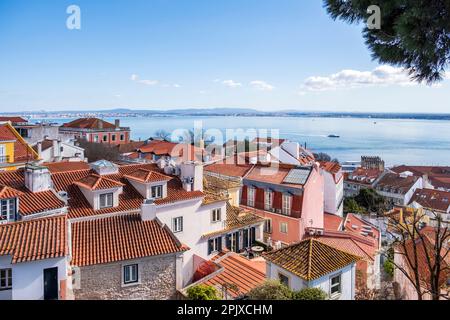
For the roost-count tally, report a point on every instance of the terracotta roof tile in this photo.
(89, 123)
(35, 239)
(146, 176)
(32, 203)
(332, 221)
(13, 119)
(22, 151)
(237, 271)
(432, 199)
(97, 182)
(66, 166)
(8, 193)
(311, 259)
(118, 238)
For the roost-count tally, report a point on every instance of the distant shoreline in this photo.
(128, 113)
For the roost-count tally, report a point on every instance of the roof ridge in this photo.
(310, 258)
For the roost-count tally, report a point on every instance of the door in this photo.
(51, 284)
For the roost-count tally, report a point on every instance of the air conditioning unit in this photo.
(189, 180)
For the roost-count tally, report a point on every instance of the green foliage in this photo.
(99, 151)
(351, 206)
(389, 267)
(413, 34)
(202, 292)
(271, 290)
(372, 201)
(310, 294)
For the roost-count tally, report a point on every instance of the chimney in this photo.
(37, 178)
(56, 148)
(191, 176)
(39, 148)
(148, 210)
(117, 123)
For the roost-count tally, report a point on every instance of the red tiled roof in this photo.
(274, 141)
(22, 151)
(66, 166)
(146, 176)
(432, 199)
(35, 239)
(166, 148)
(232, 169)
(358, 226)
(175, 193)
(332, 221)
(395, 183)
(13, 119)
(364, 176)
(118, 238)
(31, 203)
(332, 167)
(238, 271)
(8, 193)
(89, 123)
(96, 182)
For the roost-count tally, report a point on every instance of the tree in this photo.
(270, 290)
(99, 151)
(202, 292)
(310, 294)
(421, 254)
(413, 33)
(162, 134)
(372, 201)
(351, 206)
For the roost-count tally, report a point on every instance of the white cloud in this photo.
(136, 78)
(232, 84)
(176, 85)
(261, 85)
(382, 76)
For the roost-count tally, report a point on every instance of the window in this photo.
(283, 227)
(268, 198)
(8, 210)
(251, 197)
(3, 157)
(113, 137)
(287, 204)
(106, 200)
(5, 279)
(216, 215)
(335, 285)
(105, 138)
(214, 245)
(284, 280)
(157, 192)
(177, 224)
(268, 226)
(122, 137)
(130, 274)
(96, 138)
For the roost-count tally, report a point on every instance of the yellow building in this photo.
(14, 150)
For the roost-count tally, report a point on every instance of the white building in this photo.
(313, 264)
(55, 150)
(333, 188)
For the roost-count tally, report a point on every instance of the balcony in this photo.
(4, 159)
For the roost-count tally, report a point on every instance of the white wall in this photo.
(296, 283)
(28, 277)
(333, 194)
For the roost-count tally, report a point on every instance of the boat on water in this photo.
(333, 136)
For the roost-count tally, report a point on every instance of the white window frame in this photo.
(281, 227)
(338, 285)
(122, 137)
(251, 196)
(109, 200)
(8, 209)
(133, 273)
(96, 138)
(287, 204)
(113, 137)
(216, 215)
(156, 192)
(3, 155)
(268, 200)
(6, 276)
(215, 245)
(268, 225)
(177, 224)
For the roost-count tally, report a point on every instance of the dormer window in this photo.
(150, 184)
(157, 192)
(106, 200)
(216, 215)
(8, 210)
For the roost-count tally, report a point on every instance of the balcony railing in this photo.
(4, 159)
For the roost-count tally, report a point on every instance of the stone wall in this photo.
(104, 281)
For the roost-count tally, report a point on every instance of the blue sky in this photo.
(164, 54)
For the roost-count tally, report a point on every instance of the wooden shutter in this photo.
(244, 196)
